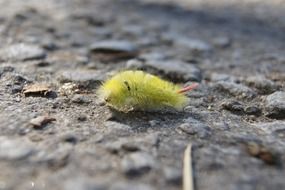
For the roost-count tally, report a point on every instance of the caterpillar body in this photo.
(137, 90)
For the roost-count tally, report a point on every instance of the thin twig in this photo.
(188, 182)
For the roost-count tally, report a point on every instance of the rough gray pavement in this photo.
(55, 134)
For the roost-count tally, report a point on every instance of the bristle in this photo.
(187, 88)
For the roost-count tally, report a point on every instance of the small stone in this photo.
(153, 123)
(280, 132)
(270, 127)
(235, 89)
(137, 163)
(263, 153)
(131, 146)
(85, 78)
(21, 52)
(82, 118)
(252, 110)
(41, 121)
(117, 128)
(215, 77)
(193, 44)
(153, 56)
(81, 99)
(263, 85)
(123, 145)
(233, 106)
(113, 50)
(67, 57)
(222, 42)
(15, 149)
(69, 138)
(69, 88)
(175, 70)
(130, 186)
(82, 183)
(5, 69)
(275, 105)
(193, 127)
(134, 64)
(172, 175)
(38, 90)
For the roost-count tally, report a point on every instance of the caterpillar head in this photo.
(114, 92)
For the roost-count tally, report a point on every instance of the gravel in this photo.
(235, 118)
(275, 105)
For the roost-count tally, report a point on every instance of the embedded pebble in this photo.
(40, 121)
(263, 85)
(270, 127)
(215, 77)
(15, 149)
(113, 50)
(193, 44)
(21, 52)
(275, 105)
(173, 175)
(113, 46)
(5, 69)
(81, 99)
(83, 183)
(130, 186)
(122, 144)
(252, 110)
(195, 127)
(233, 106)
(266, 154)
(222, 42)
(173, 69)
(235, 89)
(137, 163)
(88, 79)
(117, 128)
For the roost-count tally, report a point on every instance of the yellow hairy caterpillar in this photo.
(137, 90)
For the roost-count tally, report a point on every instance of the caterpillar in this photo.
(137, 90)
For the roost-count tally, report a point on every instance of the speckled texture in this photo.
(235, 120)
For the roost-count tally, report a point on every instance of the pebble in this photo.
(5, 69)
(270, 127)
(118, 129)
(122, 144)
(235, 89)
(195, 127)
(215, 77)
(252, 110)
(263, 85)
(82, 183)
(21, 52)
(113, 46)
(221, 42)
(15, 149)
(233, 106)
(88, 79)
(275, 105)
(193, 44)
(130, 186)
(137, 163)
(176, 70)
(69, 138)
(172, 175)
(40, 121)
(109, 50)
(263, 153)
(81, 99)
